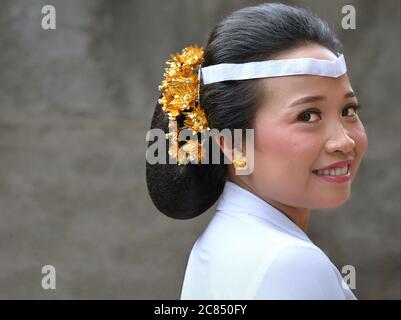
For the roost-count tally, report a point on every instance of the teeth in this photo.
(334, 172)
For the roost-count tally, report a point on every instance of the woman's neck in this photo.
(299, 216)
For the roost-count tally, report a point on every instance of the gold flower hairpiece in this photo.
(180, 101)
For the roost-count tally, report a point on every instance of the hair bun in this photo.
(182, 191)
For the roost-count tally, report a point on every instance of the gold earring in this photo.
(239, 164)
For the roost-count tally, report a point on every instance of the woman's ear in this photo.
(237, 152)
(232, 152)
(225, 144)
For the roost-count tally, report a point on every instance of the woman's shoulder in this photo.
(238, 240)
(298, 271)
(234, 229)
(260, 261)
(299, 254)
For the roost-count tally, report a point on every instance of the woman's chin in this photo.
(330, 201)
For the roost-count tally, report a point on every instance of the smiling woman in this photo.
(306, 123)
(309, 143)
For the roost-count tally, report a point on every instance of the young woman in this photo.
(308, 145)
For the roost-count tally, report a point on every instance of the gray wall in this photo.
(75, 105)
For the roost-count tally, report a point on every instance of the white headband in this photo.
(273, 68)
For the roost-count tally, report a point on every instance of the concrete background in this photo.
(75, 105)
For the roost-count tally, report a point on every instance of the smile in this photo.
(337, 175)
(333, 172)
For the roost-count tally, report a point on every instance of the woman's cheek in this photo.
(279, 142)
(361, 140)
(271, 138)
(361, 145)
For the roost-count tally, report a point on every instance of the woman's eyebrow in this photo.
(310, 99)
(350, 94)
(307, 99)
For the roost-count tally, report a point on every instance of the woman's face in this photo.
(293, 137)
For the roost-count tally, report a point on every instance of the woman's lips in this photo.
(338, 164)
(338, 177)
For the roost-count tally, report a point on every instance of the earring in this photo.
(239, 164)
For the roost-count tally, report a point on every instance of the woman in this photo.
(308, 145)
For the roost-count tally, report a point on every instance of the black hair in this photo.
(251, 34)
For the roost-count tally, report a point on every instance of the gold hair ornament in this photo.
(180, 101)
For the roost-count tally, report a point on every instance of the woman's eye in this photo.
(309, 116)
(353, 113)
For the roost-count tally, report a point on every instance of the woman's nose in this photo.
(340, 140)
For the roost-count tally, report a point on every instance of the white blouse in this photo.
(251, 250)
